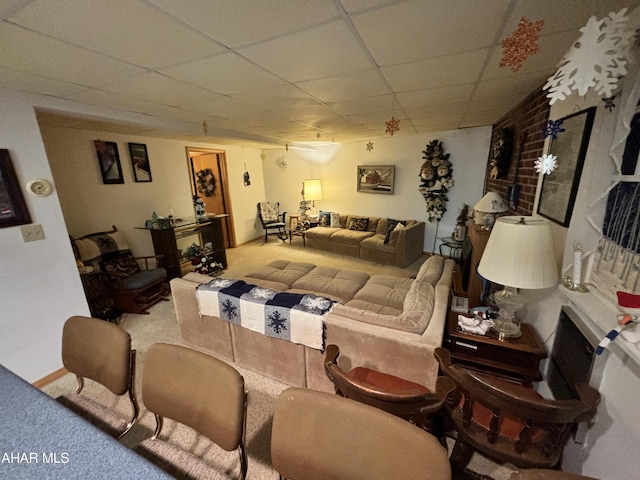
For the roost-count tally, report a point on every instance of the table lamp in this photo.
(519, 254)
(312, 192)
(488, 208)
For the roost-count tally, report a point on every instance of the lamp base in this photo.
(506, 329)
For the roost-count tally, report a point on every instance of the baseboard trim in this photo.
(52, 377)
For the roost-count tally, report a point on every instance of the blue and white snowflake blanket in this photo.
(298, 318)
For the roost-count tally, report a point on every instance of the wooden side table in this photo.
(298, 233)
(516, 359)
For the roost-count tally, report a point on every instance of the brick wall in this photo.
(529, 117)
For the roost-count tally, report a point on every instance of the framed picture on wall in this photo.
(140, 162)
(109, 162)
(560, 187)
(13, 209)
(376, 178)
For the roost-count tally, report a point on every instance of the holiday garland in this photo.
(435, 180)
(206, 182)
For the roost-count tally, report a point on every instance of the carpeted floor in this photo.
(160, 326)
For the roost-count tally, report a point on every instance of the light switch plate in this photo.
(31, 233)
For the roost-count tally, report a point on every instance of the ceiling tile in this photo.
(323, 51)
(366, 83)
(99, 97)
(36, 84)
(436, 96)
(284, 96)
(127, 30)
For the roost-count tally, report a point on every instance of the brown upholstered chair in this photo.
(272, 220)
(133, 289)
(507, 421)
(317, 435)
(545, 474)
(199, 391)
(405, 399)
(100, 351)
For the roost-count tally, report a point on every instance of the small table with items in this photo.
(454, 246)
(516, 359)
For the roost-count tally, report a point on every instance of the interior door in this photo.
(208, 173)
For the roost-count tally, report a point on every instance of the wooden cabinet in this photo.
(172, 242)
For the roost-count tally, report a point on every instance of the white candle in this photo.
(577, 266)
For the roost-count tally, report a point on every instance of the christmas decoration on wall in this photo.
(263, 156)
(552, 129)
(370, 146)
(206, 182)
(501, 153)
(435, 180)
(608, 102)
(521, 44)
(282, 163)
(545, 164)
(597, 59)
(393, 126)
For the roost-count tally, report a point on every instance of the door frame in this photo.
(224, 184)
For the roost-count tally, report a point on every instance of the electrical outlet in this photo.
(31, 233)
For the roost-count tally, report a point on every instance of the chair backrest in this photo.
(197, 390)
(269, 212)
(109, 250)
(318, 435)
(99, 350)
(404, 399)
(511, 422)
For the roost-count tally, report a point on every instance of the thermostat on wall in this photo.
(39, 187)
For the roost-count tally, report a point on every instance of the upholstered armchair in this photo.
(133, 288)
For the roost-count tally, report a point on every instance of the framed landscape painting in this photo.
(376, 178)
(13, 209)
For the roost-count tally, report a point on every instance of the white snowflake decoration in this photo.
(264, 293)
(545, 164)
(597, 59)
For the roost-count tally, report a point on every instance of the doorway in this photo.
(209, 182)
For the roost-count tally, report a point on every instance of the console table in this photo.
(171, 241)
(516, 359)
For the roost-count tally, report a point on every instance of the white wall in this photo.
(336, 167)
(39, 283)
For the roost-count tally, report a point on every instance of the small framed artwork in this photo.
(13, 209)
(560, 187)
(140, 162)
(109, 162)
(376, 178)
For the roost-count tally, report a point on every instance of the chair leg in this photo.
(459, 459)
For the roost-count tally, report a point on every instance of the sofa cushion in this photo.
(321, 233)
(349, 237)
(281, 271)
(335, 220)
(431, 270)
(332, 282)
(385, 290)
(376, 242)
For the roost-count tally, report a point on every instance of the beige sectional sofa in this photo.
(392, 324)
(403, 246)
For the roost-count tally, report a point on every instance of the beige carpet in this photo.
(160, 326)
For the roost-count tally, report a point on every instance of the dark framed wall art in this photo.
(376, 178)
(109, 162)
(559, 188)
(140, 162)
(13, 209)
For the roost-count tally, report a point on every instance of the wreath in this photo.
(435, 179)
(206, 182)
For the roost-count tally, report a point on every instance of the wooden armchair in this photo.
(507, 421)
(272, 220)
(132, 288)
(404, 399)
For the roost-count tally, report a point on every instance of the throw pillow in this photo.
(391, 226)
(324, 218)
(359, 224)
(335, 219)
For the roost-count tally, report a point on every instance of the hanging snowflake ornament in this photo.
(393, 126)
(608, 103)
(552, 129)
(597, 60)
(545, 164)
(370, 145)
(263, 156)
(521, 44)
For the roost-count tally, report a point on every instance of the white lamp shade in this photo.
(312, 190)
(520, 254)
(492, 202)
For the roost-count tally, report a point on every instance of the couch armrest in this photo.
(410, 243)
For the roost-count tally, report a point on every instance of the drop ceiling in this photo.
(271, 72)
